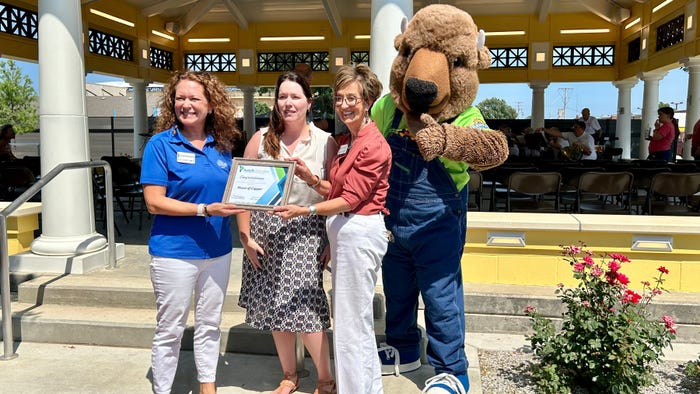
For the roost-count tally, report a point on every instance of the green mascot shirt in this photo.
(383, 115)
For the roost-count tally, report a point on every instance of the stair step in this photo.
(130, 327)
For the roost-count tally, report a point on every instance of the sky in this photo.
(600, 97)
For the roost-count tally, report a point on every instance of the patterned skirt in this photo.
(287, 293)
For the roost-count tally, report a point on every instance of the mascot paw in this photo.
(431, 139)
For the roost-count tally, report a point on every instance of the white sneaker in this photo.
(391, 361)
(443, 384)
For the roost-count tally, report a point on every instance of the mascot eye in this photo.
(457, 62)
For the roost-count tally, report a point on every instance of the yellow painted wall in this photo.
(540, 262)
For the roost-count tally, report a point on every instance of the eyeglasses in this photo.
(349, 100)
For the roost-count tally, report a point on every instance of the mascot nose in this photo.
(420, 94)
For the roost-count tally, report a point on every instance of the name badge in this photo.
(343, 149)
(185, 157)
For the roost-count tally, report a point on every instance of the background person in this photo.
(282, 285)
(592, 126)
(578, 139)
(7, 134)
(695, 141)
(358, 238)
(184, 172)
(661, 140)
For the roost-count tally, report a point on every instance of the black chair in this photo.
(15, 180)
(640, 186)
(604, 192)
(683, 167)
(533, 192)
(672, 194)
(611, 153)
(499, 182)
(126, 186)
(569, 184)
(476, 185)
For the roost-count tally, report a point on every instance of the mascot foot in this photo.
(392, 364)
(447, 384)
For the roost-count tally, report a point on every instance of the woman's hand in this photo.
(223, 209)
(325, 257)
(287, 212)
(253, 250)
(302, 171)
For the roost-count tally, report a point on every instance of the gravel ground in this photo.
(508, 372)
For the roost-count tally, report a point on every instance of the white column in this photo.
(692, 113)
(623, 127)
(248, 110)
(385, 26)
(650, 107)
(140, 115)
(537, 118)
(67, 207)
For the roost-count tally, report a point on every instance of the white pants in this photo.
(358, 244)
(174, 281)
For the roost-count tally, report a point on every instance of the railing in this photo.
(8, 339)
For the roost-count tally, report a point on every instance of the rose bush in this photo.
(607, 341)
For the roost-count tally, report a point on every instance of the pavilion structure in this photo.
(248, 43)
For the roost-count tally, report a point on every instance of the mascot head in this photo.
(435, 71)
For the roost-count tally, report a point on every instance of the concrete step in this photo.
(130, 327)
(488, 308)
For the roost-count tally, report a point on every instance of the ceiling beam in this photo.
(608, 10)
(238, 16)
(543, 10)
(334, 17)
(195, 14)
(158, 8)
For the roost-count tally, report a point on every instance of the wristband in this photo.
(318, 182)
(206, 212)
(312, 210)
(200, 209)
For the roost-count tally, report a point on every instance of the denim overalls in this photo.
(428, 222)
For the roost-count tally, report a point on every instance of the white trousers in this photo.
(358, 244)
(174, 281)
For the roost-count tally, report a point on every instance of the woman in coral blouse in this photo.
(356, 194)
(661, 141)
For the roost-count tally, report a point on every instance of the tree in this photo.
(323, 106)
(261, 108)
(495, 108)
(17, 98)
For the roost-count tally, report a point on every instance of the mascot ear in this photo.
(483, 53)
(480, 39)
(399, 37)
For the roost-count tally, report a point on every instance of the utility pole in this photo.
(519, 109)
(565, 98)
(675, 104)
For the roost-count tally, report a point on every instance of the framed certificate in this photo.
(259, 184)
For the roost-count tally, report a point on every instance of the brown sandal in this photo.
(326, 387)
(290, 382)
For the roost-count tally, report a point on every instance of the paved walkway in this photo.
(59, 368)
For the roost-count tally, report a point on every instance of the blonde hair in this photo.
(220, 123)
(370, 84)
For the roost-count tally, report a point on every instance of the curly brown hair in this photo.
(271, 143)
(220, 123)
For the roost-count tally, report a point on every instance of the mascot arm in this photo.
(481, 149)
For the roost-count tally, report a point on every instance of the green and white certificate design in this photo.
(259, 184)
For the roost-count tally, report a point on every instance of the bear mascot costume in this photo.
(435, 135)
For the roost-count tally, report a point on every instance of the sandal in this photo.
(326, 387)
(290, 382)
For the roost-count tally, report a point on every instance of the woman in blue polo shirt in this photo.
(185, 167)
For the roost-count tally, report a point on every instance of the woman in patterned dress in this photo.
(282, 285)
